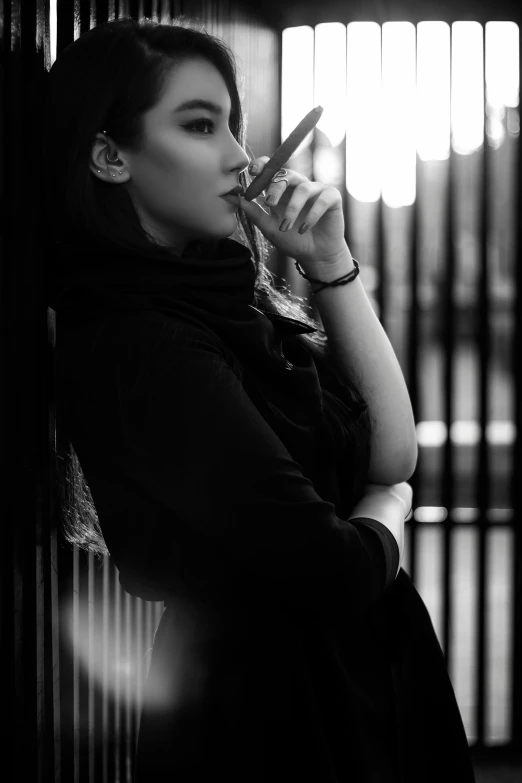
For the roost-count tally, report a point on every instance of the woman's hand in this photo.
(300, 201)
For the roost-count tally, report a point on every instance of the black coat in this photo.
(288, 651)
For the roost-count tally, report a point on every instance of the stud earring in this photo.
(112, 175)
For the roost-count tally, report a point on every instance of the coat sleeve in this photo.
(350, 397)
(194, 441)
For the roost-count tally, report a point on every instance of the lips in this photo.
(234, 192)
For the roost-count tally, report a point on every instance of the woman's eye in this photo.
(204, 122)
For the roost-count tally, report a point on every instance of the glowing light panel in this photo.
(297, 86)
(330, 80)
(433, 90)
(467, 87)
(363, 111)
(398, 118)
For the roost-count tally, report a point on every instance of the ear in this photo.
(103, 169)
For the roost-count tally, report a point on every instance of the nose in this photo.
(239, 159)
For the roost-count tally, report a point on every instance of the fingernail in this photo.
(252, 168)
(304, 228)
(270, 199)
(284, 224)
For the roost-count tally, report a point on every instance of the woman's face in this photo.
(189, 158)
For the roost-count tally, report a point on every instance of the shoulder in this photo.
(144, 338)
(147, 331)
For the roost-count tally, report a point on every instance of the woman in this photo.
(246, 467)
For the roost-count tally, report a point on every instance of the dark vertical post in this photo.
(64, 24)
(105, 669)
(83, 667)
(116, 674)
(482, 487)
(516, 482)
(448, 337)
(412, 370)
(65, 684)
(130, 675)
(380, 264)
(55, 655)
(97, 697)
(76, 666)
(91, 619)
(139, 619)
(413, 327)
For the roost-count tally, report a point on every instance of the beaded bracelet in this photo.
(340, 280)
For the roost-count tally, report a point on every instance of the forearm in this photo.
(388, 511)
(361, 350)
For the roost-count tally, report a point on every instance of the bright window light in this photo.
(502, 78)
(398, 96)
(502, 52)
(52, 30)
(398, 117)
(363, 111)
(465, 433)
(433, 90)
(467, 85)
(297, 88)
(330, 80)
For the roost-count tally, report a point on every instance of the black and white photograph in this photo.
(261, 362)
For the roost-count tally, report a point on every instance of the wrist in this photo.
(329, 269)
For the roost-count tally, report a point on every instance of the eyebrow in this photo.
(199, 103)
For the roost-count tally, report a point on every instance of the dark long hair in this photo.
(106, 80)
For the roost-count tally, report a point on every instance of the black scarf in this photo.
(213, 281)
(212, 284)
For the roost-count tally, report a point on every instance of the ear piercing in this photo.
(108, 160)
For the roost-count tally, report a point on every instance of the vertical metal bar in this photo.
(149, 631)
(516, 483)
(64, 24)
(84, 667)
(76, 678)
(55, 623)
(139, 663)
(380, 249)
(105, 669)
(413, 328)
(116, 674)
(64, 619)
(130, 670)
(448, 329)
(41, 656)
(482, 487)
(50, 652)
(91, 663)
(53, 511)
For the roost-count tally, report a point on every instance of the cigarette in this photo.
(284, 153)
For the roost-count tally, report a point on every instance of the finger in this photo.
(277, 189)
(257, 215)
(257, 165)
(300, 197)
(274, 192)
(329, 197)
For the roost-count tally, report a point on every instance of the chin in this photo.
(225, 228)
(221, 228)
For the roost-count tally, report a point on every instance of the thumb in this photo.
(257, 215)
